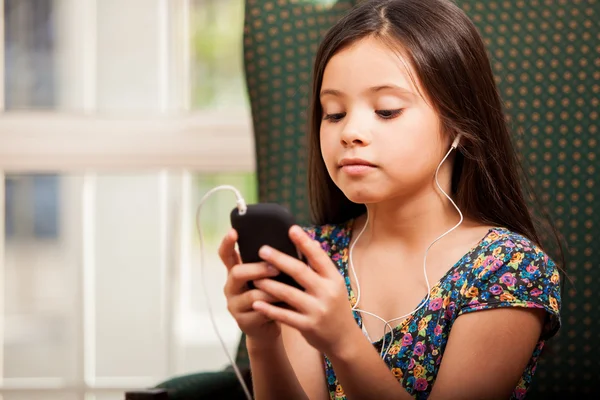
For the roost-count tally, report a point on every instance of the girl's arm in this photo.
(307, 362)
(487, 352)
(362, 373)
(272, 373)
(485, 357)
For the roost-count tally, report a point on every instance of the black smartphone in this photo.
(265, 224)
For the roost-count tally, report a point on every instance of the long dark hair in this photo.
(449, 59)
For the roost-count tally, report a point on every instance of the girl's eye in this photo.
(334, 117)
(389, 114)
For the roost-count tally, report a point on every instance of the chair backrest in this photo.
(545, 55)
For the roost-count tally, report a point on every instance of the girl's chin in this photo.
(362, 196)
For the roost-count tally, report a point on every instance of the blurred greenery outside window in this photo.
(218, 82)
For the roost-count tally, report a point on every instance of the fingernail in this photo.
(272, 270)
(265, 251)
(294, 231)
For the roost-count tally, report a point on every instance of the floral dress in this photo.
(504, 269)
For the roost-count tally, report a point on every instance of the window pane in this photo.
(96, 265)
(42, 263)
(30, 59)
(134, 53)
(128, 215)
(217, 57)
(128, 55)
(46, 43)
(43, 62)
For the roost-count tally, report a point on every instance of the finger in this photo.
(314, 253)
(227, 252)
(290, 266)
(285, 316)
(241, 274)
(243, 303)
(290, 295)
(252, 319)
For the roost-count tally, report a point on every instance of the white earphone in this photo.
(454, 144)
(351, 264)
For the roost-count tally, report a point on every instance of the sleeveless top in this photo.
(504, 269)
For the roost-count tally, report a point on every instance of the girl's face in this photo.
(380, 139)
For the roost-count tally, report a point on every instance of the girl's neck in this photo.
(411, 223)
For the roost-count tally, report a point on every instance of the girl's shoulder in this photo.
(504, 252)
(508, 247)
(507, 269)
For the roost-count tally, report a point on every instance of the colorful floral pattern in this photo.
(504, 270)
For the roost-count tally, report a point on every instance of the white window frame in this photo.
(201, 142)
(195, 142)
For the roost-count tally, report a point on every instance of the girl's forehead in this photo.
(369, 62)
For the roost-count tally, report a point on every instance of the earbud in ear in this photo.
(456, 140)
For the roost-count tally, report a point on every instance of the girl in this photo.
(408, 148)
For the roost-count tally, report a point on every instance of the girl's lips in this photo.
(357, 169)
(355, 161)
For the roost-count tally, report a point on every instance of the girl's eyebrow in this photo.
(331, 92)
(374, 89)
(390, 86)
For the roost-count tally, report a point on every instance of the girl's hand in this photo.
(322, 313)
(256, 326)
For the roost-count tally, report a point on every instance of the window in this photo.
(118, 115)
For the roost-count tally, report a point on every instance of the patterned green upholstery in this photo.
(545, 54)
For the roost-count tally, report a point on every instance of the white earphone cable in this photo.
(241, 204)
(426, 300)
